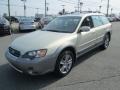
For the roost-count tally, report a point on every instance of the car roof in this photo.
(82, 14)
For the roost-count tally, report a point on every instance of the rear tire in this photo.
(64, 63)
(106, 42)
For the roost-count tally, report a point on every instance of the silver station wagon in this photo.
(57, 46)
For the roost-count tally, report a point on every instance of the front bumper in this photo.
(38, 66)
(4, 31)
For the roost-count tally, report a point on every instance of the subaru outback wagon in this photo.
(57, 46)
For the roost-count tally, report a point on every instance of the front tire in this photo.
(64, 63)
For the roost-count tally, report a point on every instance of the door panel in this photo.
(85, 39)
(99, 29)
(99, 34)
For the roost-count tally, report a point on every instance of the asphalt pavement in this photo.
(96, 70)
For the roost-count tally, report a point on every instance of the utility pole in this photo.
(45, 8)
(9, 16)
(63, 10)
(108, 5)
(111, 10)
(78, 6)
(75, 9)
(100, 8)
(81, 4)
(24, 1)
(37, 9)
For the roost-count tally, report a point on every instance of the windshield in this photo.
(26, 20)
(63, 24)
(2, 20)
(48, 19)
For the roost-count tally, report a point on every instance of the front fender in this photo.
(63, 47)
(57, 47)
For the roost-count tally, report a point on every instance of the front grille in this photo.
(6, 27)
(1, 26)
(14, 52)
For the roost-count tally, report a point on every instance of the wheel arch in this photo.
(71, 48)
(109, 34)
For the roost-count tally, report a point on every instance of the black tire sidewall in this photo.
(57, 69)
(106, 37)
(103, 47)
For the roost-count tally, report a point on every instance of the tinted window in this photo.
(63, 24)
(26, 20)
(104, 19)
(87, 22)
(97, 21)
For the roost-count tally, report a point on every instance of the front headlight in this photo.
(35, 54)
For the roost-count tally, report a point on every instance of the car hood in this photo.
(37, 40)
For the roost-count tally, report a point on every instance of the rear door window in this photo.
(96, 21)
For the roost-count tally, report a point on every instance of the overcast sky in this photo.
(56, 5)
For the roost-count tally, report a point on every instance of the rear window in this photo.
(104, 20)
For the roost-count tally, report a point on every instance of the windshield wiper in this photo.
(53, 30)
(56, 31)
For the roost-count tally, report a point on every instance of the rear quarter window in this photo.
(104, 20)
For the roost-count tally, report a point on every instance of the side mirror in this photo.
(84, 29)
